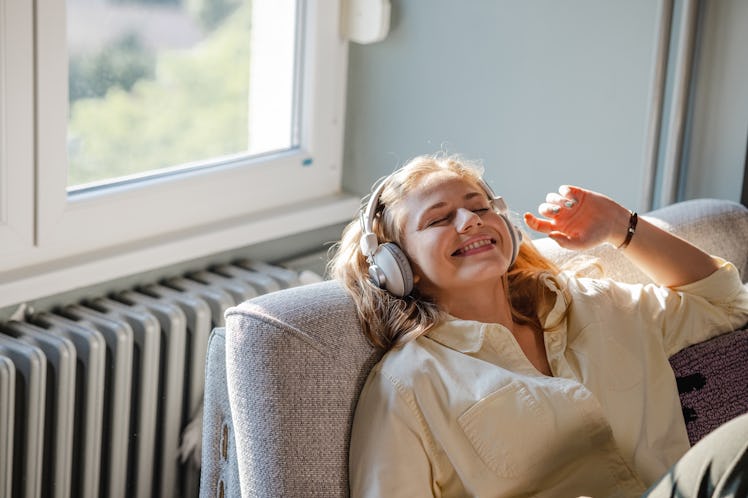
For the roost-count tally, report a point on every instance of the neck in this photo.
(489, 304)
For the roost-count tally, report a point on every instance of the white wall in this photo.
(544, 92)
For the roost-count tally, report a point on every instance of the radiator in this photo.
(94, 395)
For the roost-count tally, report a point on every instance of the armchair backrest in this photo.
(295, 362)
(278, 412)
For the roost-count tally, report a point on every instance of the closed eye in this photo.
(446, 218)
(437, 221)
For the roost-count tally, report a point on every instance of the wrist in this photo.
(630, 230)
(619, 236)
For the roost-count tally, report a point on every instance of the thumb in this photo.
(564, 240)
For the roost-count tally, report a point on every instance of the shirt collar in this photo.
(467, 336)
(559, 307)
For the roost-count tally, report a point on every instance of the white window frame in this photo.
(51, 242)
(16, 128)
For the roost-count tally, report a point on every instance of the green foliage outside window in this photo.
(181, 107)
(122, 63)
(212, 12)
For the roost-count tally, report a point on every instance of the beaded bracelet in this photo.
(631, 230)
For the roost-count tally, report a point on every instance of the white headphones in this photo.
(388, 265)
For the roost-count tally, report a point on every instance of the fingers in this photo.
(538, 224)
(557, 203)
(572, 192)
(574, 217)
(554, 198)
(549, 209)
(557, 208)
(548, 227)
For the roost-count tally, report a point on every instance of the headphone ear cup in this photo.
(516, 237)
(391, 270)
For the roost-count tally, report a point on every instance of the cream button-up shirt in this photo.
(462, 412)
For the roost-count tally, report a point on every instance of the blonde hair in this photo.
(389, 321)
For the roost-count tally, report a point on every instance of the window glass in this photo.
(161, 85)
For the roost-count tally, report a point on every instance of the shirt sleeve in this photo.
(687, 314)
(711, 306)
(388, 452)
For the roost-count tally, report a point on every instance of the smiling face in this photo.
(456, 242)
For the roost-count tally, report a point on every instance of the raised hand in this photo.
(578, 219)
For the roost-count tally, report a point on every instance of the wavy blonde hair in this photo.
(389, 321)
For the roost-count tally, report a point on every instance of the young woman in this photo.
(504, 376)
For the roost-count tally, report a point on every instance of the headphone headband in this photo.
(369, 240)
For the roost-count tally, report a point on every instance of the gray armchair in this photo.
(283, 377)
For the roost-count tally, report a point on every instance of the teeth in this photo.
(475, 245)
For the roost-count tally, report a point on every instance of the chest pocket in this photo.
(510, 430)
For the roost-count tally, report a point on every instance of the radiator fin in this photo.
(7, 408)
(59, 404)
(144, 396)
(118, 337)
(29, 391)
(94, 395)
(89, 393)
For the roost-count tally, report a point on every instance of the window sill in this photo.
(35, 282)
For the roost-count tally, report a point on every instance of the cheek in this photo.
(414, 257)
(419, 254)
(425, 261)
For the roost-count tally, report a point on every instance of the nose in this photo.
(466, 219)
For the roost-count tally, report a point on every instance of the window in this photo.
(182, 132)
(156, 85)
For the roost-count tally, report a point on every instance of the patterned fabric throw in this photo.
(712, 382)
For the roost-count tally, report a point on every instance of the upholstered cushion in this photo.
(219, 474)
(712, 382)
(296, 360)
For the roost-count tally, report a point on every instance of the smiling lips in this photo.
(473, 247)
